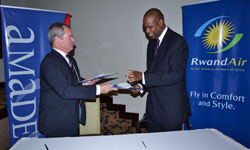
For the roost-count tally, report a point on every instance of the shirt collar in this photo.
(60, 52)
(63, 54)
(162, 35)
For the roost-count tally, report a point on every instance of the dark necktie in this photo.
(157, 45)
(82, 115)
(72, 67)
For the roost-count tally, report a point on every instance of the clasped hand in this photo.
(105, 88)
(134, 76)
(91, 82)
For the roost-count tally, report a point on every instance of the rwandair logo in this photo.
(217, 35)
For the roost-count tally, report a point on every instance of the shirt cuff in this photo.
(143, 79)
(141, 90)
(98, 90)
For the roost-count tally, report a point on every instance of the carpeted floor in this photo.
(115, 119)
(112, 123)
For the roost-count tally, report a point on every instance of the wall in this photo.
(109, 35)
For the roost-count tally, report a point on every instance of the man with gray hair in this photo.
(62, 105)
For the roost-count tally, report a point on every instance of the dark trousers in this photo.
(153, 126)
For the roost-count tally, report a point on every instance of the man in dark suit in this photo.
(167, 102)
(61, 94)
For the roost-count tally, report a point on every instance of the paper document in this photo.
(125, 86)
(100, 76)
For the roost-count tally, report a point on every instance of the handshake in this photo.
(132, 78)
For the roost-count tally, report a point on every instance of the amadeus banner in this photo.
(218, 74)
(25, 43)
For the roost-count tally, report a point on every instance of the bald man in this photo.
(165, 78)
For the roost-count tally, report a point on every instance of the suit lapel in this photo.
(163, 49)
(65, 63)
(60, 58)
(150, 53)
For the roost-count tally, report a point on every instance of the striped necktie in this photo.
(72, 67)
(157, 45)
(81, 103)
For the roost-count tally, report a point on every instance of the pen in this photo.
(46, 147)
(144, 144)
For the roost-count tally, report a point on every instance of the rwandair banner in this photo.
(25, 43)
(218, 75)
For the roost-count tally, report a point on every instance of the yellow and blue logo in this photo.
(218, 34)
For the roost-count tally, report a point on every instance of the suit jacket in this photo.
(167, 100)
(60, 95)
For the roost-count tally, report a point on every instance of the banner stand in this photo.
(25, 43)
(218, 80)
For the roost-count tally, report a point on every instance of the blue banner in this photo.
(218, 80)
(25, 43)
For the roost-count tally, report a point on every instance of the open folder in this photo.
(125, 86)
(100, 76)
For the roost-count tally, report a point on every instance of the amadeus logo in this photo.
(218, 35)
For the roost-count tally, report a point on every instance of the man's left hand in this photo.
(91, 82)
(134, 76)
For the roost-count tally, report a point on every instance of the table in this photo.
(200, 139)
